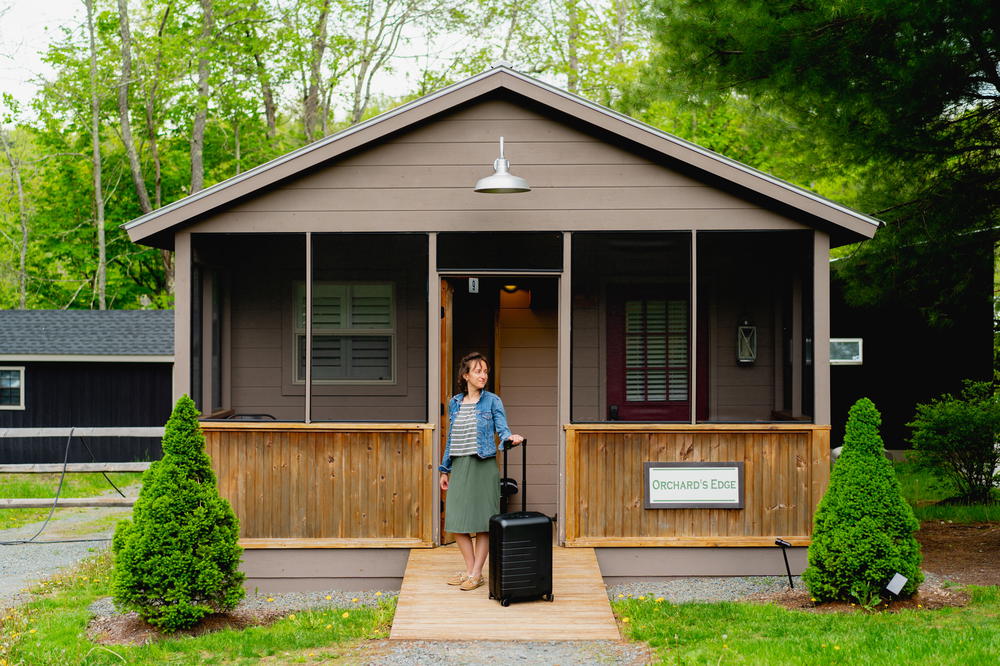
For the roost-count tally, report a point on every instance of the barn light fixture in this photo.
(502, 181)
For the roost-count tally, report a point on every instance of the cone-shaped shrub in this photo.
(178, 559)
(863, 529)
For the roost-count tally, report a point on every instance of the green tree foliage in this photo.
(907, 95)
(863, 529)
(178, 559)
(956, 439)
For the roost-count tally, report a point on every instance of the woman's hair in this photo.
(465, 367)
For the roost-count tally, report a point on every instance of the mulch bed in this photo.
(130, 629)
(927, 598)
(965, 553)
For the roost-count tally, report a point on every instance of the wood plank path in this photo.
(429, 609)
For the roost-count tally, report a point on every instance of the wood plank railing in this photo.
(326, 485)
(786, 466)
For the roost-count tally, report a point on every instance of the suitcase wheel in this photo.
(505, 602)
(549, 597)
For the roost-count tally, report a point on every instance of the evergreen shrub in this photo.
(178, 559)
(956, 440)
(863, 531)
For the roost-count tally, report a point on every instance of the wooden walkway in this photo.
(429, 609)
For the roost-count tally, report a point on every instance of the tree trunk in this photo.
(201, 112)
(95, 140)
(573, 75)
(123, 114)
(22, 214)
(312, 101)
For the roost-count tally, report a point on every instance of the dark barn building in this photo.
(84, 368)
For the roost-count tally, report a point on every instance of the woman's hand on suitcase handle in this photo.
(443, 481)
(514, 440)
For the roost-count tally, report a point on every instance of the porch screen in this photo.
(353, 332)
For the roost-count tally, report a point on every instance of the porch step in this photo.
(429, 609)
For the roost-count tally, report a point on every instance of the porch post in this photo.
(434, 373)
(309, 326)
(565, 361)
(182, 314)
(693, 318)
(821, 327)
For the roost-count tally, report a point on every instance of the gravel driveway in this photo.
(21, 564)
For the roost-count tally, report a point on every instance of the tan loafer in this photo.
(457, 579)
(472, 583)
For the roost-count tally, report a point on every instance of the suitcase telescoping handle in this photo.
(524, 469)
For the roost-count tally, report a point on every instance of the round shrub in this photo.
(863, 529)
(956, 440)
(178, 559)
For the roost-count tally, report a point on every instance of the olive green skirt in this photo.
(473, 494)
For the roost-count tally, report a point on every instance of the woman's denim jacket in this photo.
(490, 418)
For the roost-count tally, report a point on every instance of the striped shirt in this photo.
(463, 431)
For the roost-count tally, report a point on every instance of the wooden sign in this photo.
(693, 485)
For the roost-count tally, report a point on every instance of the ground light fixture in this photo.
(502, 181)
(784, 544)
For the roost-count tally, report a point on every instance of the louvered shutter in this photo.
(656, 350)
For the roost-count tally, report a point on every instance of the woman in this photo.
(469, 469)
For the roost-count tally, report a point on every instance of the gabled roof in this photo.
(87, 335)
(847, 222)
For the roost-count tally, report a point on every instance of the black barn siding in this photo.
(88, 394)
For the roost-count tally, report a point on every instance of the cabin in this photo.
(657, 316)
(84, 369)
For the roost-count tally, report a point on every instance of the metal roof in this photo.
(80, 333)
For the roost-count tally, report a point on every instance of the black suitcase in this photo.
(520, 550)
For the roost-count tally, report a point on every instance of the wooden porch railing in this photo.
(326, 485)
(787, 469)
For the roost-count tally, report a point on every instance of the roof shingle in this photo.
(87, 332)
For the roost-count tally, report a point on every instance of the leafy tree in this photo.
(178, 559)
(956, 439)
(863, 528)
(906, 91)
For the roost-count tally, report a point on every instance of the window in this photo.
(354, 333)
(845, 351)
(11, 388)
(648, 350)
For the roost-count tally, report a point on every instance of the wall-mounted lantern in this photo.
(746, 342)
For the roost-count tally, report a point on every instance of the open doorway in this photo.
(513, 320)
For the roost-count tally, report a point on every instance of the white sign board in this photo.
(673, 485)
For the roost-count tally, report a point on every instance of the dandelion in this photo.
(329, 626)
(312, 654)
(328, 597)
(626, 620)
(812, 599)
(725, 636)
(354, 600)
(836, 647)
(659, 600)
(31, 631)
(725, 647)
(823, 645)
(918, 605)
(292, 616)
(642, 598)
(346, 615)
(621, 596)
(378, 594)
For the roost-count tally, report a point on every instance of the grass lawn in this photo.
(44, 485)
(50, 629)
(758, 634)
(925, 493)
